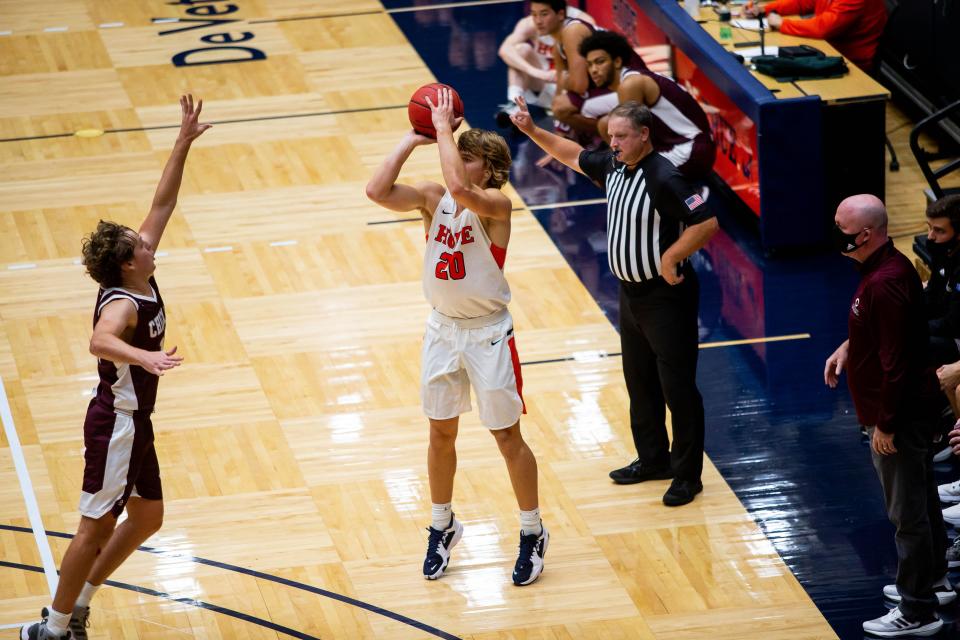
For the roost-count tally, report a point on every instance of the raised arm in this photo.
(165, 198)
(565, 150)
(384, 190)
(486, 203)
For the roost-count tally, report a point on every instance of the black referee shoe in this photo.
(682, 492)
(636, 472)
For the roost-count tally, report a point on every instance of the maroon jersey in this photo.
(635, 61)
(677, 116)
(128, 387)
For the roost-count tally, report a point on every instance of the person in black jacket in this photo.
(942, 294)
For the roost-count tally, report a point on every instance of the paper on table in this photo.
(752, 52)
(749, 24)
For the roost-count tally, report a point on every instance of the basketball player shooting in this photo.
(469, 335)
(121, 469)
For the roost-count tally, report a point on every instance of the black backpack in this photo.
(811, 65)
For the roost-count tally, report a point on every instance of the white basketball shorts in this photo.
(458, 353)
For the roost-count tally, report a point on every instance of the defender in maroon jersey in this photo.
(121, 469)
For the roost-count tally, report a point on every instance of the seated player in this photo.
(680, 132)
(469, 336)
(528, 54)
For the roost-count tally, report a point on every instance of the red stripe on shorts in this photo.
(516, 371)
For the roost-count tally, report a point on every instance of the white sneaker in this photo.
(951, 515)
(942, 456)
(942, 589)
(895, 624)
(949, 492)
(439, 545)
(953, 554)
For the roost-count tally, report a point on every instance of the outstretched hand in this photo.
(156, 362)
(521, 119)
(190, 127)
(442, 114)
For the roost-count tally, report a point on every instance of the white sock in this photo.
(57, 622)
(513, 91)
(86, 595)
(442, 516)
(530, 522)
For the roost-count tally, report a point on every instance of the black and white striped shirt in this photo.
(648, 208)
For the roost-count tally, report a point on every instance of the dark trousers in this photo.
(913, 506)
(658, 336)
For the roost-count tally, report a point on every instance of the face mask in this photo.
(846, 242)
(940, 251)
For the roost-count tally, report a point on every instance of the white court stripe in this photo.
(55, 29)
(111, 25)
(449, 5)
(6, 32)
(569, 203)
(26, 488)
(16, 625)
(218, 249)
(165, 20)
(283, 243)
(21, 266)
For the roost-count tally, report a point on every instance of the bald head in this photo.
(862, 221)
(863, 211)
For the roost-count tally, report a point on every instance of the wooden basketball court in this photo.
(291, 440)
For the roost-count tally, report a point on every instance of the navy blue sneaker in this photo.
(438, 548)
(530, 559)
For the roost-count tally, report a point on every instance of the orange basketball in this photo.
(419, 111)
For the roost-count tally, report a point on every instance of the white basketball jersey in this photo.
(462, 276)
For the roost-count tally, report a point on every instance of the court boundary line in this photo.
(433, 7)
(360, 604)
(287, 116)
(27, 492)
(16, 625)
(199, 604)
(603, 355)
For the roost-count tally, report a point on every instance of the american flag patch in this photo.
(693, 201)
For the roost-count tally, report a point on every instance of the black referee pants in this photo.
(658, 336)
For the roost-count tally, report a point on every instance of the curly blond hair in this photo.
(105, 250)
(492, 149)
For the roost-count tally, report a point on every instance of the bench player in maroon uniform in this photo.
(121, 469)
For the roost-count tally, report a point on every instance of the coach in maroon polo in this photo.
(893, 394)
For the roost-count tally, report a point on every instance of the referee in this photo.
(655, 221)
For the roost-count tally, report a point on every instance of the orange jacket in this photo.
(853, 27)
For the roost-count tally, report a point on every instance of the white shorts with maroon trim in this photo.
(481, 352)
(120, 460)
